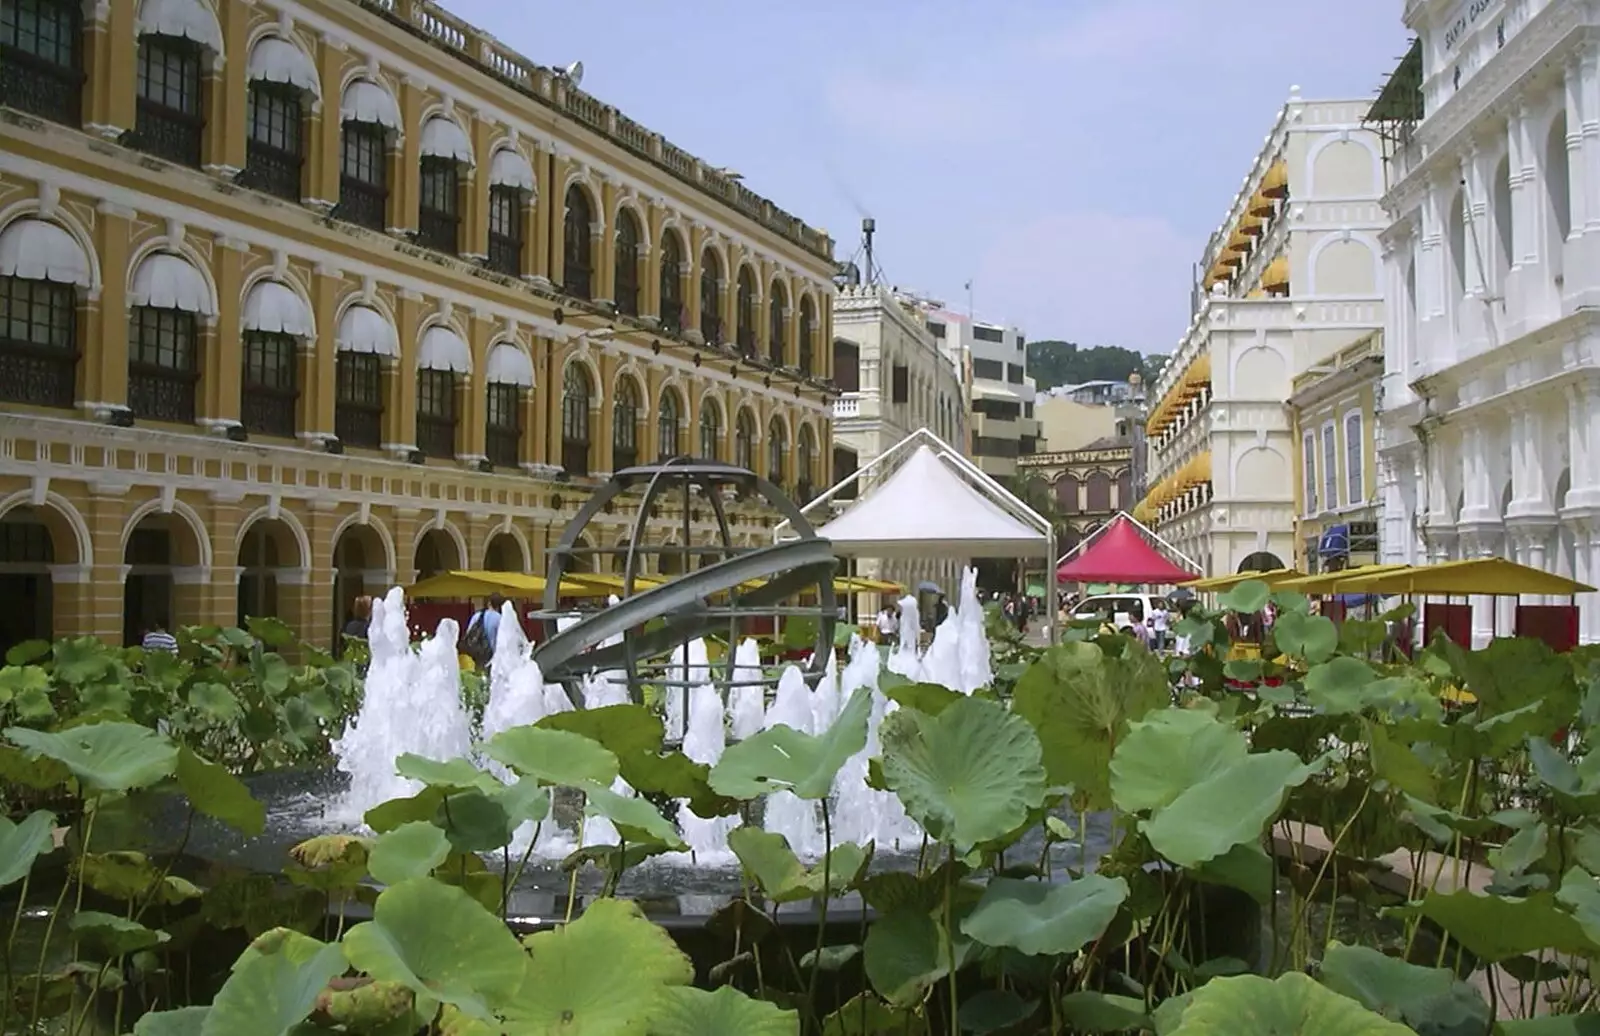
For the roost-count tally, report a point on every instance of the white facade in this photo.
(1491, 401)
(891, 340)
(1292, 277)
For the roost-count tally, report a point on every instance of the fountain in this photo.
(788, 815)
(905, 659)
(747, 704)
(975, 668)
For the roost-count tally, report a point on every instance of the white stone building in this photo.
(1290, 278)
(1491, 416)
(894, 378)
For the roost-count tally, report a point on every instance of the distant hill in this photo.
(1052, 363)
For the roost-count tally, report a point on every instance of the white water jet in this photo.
(691, 666)
(861, 813)
(747, 705)
(788, 814)
(975, 664)
(942, 663)
(411, 704)
(704, 742)
(825, 700)
(905, 659)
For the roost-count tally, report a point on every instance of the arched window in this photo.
(778, 313)
(744, 441)
(445, 153)
(577, 246)
(511, 185)
(282, 81)
(671, 281)
(711, 298)
(667, 415)
(1097, 493)
(777, 452)
(710, 430)
(1067, 494)
(42, 70)
(808, 335)
(1125, 500)
(169, 119)
(576, 393)
(627, 263)
(39, 304)
(371, 123)
(805, 460)
(625, 425)
(745, 311)
(164, 349)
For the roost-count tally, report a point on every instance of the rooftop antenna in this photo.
(869, 226)
(573, 74)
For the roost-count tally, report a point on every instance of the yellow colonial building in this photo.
(1333, 410)
(303, 298)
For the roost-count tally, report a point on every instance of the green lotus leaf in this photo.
(635, 818)
(440, 943)
(605, 973)
(1556, 1025)
(409, 851)
(1080, 702)
(676, 776)
(1494, 928)
(372, 1007)
(904, 956)
(1168, 752)
(219, 794)
(686, 1011)
(18, 679)
(1580, 893)
(114, 935)
(1229, 807)
(784, 759)
(273, 986)
(779, 874)
(1430, 1000)
(1092, 1012)
(1340, 685)
(1246, 598)
(329, 862)
(185, 1021)
(830, 958)
(123, 876)
(103, 756)
(1248, 1005)
(21, 844)
(474, 822)
(174, 890)
(36, 772)
(215, 701)
(866, 1015)
(1245, 867)
(526, 801)
(931, 698)
(386, 816)
(993, 1010)
(1036, 917)
(969, 775)
(1312, 637)
(554, 756)
(450, 776)
(624, 729)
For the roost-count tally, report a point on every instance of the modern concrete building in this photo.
(309, 297)
(1000, 397)
(1491, 401)
(1290, 279)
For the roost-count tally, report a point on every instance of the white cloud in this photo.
(1102, 278)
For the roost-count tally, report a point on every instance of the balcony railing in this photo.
(359, 426)
(711, 328)
(436, 436)
(41, 88)
(574, 457)
(268, 412)
(37, 375)
(272, 171)
(503, 446)
(439, 231)
(505, 255)
(623, 457)
(746, 338)
(847, 406)
(362, 203)
(168, 134)
(161, 394)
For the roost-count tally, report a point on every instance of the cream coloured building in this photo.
(1290, 278)
(303, 298)
(893, 378)
(1492, 382)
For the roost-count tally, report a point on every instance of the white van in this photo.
(1122, 610)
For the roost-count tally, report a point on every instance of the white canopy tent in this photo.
(936, 502)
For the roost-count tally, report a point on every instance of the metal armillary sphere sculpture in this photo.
(718, 587)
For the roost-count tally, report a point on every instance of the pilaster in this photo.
(105, 361)
(110, 64)
(604, 234)
(474, 412)
(553, 198)
(475, 214)
(220, 373)
(400, 414)
(226, 95)
(405, 167)
(323, 128)
(539, 209)
(320, 391)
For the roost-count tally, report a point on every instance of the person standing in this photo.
(1159, 619)
(157, 638)
(483, 629)
(888, 624)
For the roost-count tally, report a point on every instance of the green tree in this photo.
(1053, 363)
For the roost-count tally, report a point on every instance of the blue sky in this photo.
(1070, 157)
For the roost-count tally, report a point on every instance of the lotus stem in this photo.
(822, 913)
(949, 942)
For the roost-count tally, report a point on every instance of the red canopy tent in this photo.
(1121, 555)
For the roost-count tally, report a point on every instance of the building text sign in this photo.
(1464, 19)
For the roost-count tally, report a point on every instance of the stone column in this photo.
(405, 167)
(319, 397)
(400, 411)
(475, 215)
(603, 232)
(696, 257)
(111, 50)
(105, 361)
(601, 413)
(539, 209)
(553, 207)
(226, 92)
(220, 372)
(474, 414)
(1583, 422)
(324, 155)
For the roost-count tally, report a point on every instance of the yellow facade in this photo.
(1333, 413)
(216, 383)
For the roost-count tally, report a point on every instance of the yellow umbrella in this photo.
(1335, 582)
(599, 584)
(1273, 578)
(451, 585)
(1475, 576)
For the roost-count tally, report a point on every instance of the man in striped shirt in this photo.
(158, 639)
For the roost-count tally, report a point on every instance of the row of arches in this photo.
(1096, 492)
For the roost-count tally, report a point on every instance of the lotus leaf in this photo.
(215, 701)
(329, 862)
(554, 756)
(624, 729)
(123, 876)
(866, 1015)
(185, 1021)
(1494, 928)
(993, 1010)
(36, 772)
(409, 851)
(784, 759)
(1245, 867)
(474, 822)
(1340, 686)
(773, 866)
(1036, 917)
(103, 756)
(1246, 598)
(605, 974)
(115, 935)
(16, 680)
(219, 794)
(1248, 1005)
(1581, 894)
(1166, 753)
(931, 698)
(274, 986)
(1080, 702)
(450, 776)
(1430, 1000)
(1561, 1025)
(526, 801)
(969, 775)
(904, 956)
(21, 844)
(439, 942)
(1312, 637)
(386, 816)
(1511, 673)
(1093, 1012)
(830, 958)
(636, 819)
(686, 1011)
(1229, 807)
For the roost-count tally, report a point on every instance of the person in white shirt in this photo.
(888, 625)
(1159, 617)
